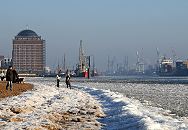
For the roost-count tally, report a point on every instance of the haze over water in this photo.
(107, 28)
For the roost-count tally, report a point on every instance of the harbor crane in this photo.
(139, 64)
(174, 55)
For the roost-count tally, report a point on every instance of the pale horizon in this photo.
(107, 28)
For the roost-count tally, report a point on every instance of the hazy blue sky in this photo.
(107, 27)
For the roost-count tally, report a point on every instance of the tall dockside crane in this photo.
(174, 57)
(108, 69)
(64, 63)
(81, 58)
(158, 59)
(126, 64)
(139, 64)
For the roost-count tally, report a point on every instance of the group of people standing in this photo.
(67, 80)
(11, 77)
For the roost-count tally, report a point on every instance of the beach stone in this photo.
(82, 112)
(73, 110)
(3, 120)
(2, 123)
(99, 113)
(14, 119)
(78, 119)
(95, 107)
(35, 128)
(18, 110)
(52, 127)
(15, 110)
(91, 112)
(75, 119)
(29, 102)
(54, 117)
(66, 117)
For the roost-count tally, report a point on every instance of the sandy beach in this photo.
(17, 89)
(46, 107)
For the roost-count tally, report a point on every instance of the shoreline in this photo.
(48, 107)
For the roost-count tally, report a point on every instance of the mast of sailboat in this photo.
(64, 62)
(81, 57)
(58, 68)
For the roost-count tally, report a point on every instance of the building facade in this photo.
(6, 62)
(29, 53)
(1, 60)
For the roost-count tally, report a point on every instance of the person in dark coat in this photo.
(9, 77)
(15, 76)
(67, 81)
(58, 80)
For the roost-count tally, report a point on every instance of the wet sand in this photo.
(16, 90)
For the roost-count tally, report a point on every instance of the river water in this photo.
(167, 92)
(138, 102)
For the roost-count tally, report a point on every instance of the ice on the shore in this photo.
(49, 107)
(130, 114)
(46, 106)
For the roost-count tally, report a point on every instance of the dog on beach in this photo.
(19, 80)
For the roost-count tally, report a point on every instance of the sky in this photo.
(114, 28)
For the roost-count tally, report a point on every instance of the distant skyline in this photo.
(107, 27)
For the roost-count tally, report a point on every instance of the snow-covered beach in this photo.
(49, 107)
(81, 108)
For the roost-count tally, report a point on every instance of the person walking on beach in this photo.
(15, 76)
(58, 80)
(9, 77)
(67, 81)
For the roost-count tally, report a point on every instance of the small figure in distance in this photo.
(67, 81)
(58, 80)
(9, 77)
(2, 76)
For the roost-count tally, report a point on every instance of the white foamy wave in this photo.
(126, 113)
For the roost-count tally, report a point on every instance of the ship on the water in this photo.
(169, 67)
